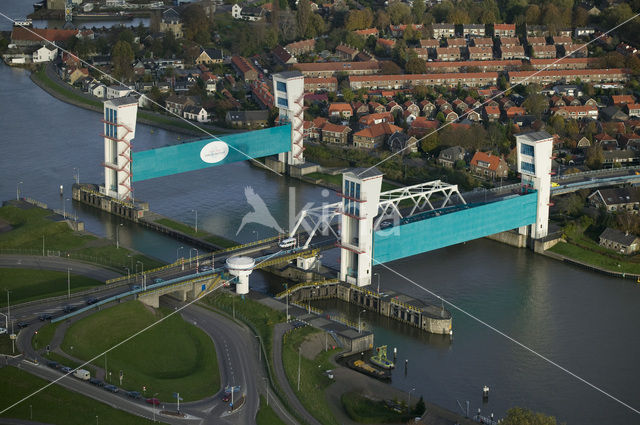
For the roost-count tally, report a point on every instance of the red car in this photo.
(226, 397)
(153, 401)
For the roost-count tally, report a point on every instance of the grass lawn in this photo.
(5, 342)
(44, 335)
(327, 178)
(55, 405)
(32, 284)
(172, 356)
(596, 259)
(266, 415)
(313, 381)
(364, 410)
(30, 225)
(188, 230)
(261, 317)
(66, 92)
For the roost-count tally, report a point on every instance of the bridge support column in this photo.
(361, 192)
(535, 152)
(152, 300)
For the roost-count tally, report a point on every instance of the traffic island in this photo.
(237, 404)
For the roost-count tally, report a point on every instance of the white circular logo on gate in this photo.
(214, 152)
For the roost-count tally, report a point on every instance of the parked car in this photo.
(111, 388)
(206, 268)
(82, 374)
(158, 280)
(134, 394)
(45, 316)
(53, 365)
(153, 401)
(65, 369)
(135, 287)
(92, 300)
(68, 308)
(22, 325)
(3, 331)
(226, 397)
(96, 382)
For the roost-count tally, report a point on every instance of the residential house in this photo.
(26, 37)
(332, 69)
(411, 107)
(615, 75)
(176, 104)
(374, 136)
(617, 199)
(375, 107)
(421, 126)
(98, 90)
(511, 52)
(544, 51)
(247, 118)
(430, 44)
(334, 133)
(474, 115)
(491, 113)
(404, 81)
(561, 40)
(443, 30)
(448, 53)
(608, 143)
(427, 107)
(377, 118)
(402, 142)
(282, 56)
(386, 44)
(619, 241)
(482, 42)
(508, 41)
(359, 109)
(480, 53)
(196, 113)
(210, 56)
(313, 129)
(473, 30)
(613, 113)
(235, 11)
(116, 91)
(633, 109)
(537, 30)
(574, 50)
(250, 13)
(369, 32)
(489, 165)
(576, 112)
(329, 84)
(398, 30)
(617, 158)
(536, 41)
(301, 47)
(449, 115)
(579, 32)
(512, 111)
(583, 143)
(504, 30)
(46, 53)
(421, 53)
(449, 156)
(346, 53)
(393, 107)
(244, 68)
(622, 99)
(456, 42)
(262, 94)
(171, 22)
(341, 110)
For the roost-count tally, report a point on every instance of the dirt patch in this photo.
(313, 345)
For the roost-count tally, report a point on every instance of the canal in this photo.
(583, 321)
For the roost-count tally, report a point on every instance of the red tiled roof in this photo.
(429, 43)
(504, 27)
(367, 32)
(301, 44)
(404, 77)
(340, 107)
(371, 118)
(623, 98)
(567, 72)
(24, 34)
(346, 49)
(321, 80)
(335, 128)
(378, 130)
(462, 64)
(492, 160)
(242, 64)
(386, 42)
(336, 66)
(423, 122)
(492, 110)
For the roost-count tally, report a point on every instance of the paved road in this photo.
(57, 264)
(278, 332)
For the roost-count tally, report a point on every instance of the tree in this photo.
(430, 142)
(557, 124)
(122, 60)
(418, 10)
(382, 19)
(420, 407)
(520, 416)
(359, 19)
(196, 24)
(399, 13)
(415, 65)
(303, 17)
(532, 15)
(536, 104)
(594, 157)
(390, 68)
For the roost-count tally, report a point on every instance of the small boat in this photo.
(381, 360)
(362, 367)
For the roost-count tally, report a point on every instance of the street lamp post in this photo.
(8, 310)
(18, 191)
(359, 326)
(118, 235)
(69, 282)
(128, 272)
(266, 385)
(409, 403)
(155, 406)
(196, 211)
(197, 262)
(177, 252)
(64, 207)
(142, 271)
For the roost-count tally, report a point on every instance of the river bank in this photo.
(48, 80)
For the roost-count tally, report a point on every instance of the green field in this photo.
(601, 259)
(5, 342)
(55, 405)
(266, 415)
(188, 230)
(44, 335)
(32, 284)
(313, 381)
(365, 410)
(172, 356)
(32, 225)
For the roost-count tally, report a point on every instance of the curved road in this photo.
(57, 264)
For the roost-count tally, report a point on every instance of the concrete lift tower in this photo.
(361, 196)
(288, 89)
(119, 130)
(535, 151)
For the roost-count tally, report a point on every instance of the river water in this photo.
(583, 321)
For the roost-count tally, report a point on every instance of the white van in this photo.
(287, 243)
(82, 374)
